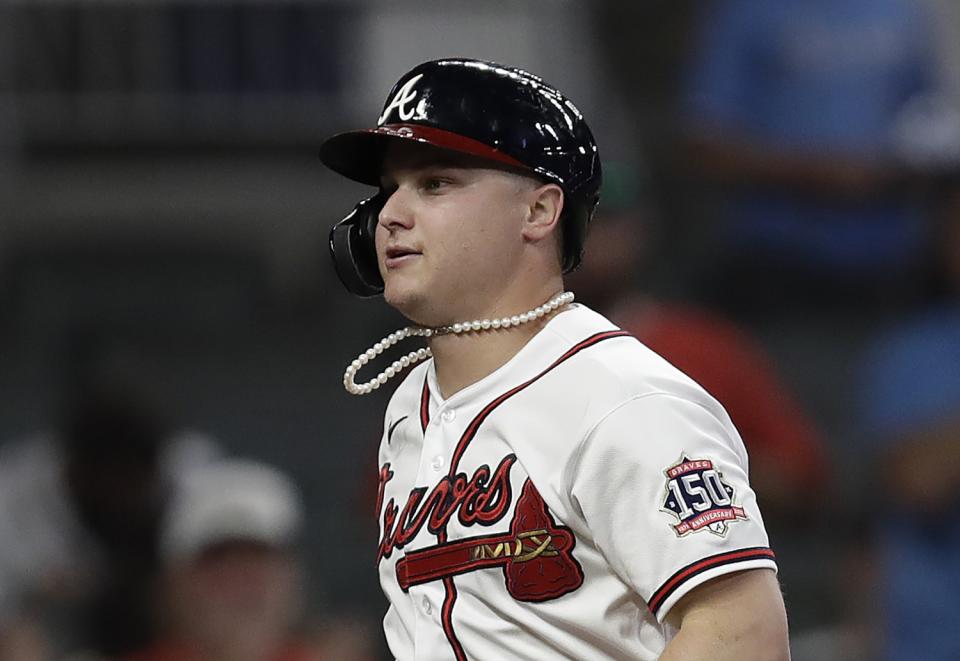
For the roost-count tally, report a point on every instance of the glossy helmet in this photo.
(499, 113)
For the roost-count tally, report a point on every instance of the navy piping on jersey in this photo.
(446, 615)
(673, 583)
(425, 405)
(471, 431)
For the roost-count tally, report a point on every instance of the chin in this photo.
(414, 304)
(405, 300)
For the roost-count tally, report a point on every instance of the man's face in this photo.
(236, 597)
(449, 241)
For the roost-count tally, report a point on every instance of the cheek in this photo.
(242, 584)
(491, 235)
(380, 239)
(463, 248)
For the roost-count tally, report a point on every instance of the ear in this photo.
(546, 205)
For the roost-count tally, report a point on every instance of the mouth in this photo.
(397, 256)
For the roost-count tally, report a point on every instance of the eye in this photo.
(433, 184)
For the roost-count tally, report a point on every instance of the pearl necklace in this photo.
(555, 303)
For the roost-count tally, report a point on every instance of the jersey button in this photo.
(437, 463)
(449, 415)
(427, 606)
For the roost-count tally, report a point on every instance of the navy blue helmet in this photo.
(502, 114)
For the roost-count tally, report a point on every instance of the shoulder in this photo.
(622, 391)
(623, 368)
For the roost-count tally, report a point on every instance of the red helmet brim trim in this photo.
(358, 155)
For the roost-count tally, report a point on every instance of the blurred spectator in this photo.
(815, 119)
(79, 510)
(787, 459)
(911, 394)
(232, 576)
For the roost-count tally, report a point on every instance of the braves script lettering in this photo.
(481, 499)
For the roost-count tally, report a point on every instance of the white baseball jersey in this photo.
(559, 507)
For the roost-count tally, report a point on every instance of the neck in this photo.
(481, 353)
(463, 359)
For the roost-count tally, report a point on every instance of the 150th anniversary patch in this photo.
(700, 499)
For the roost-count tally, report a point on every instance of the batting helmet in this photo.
(498, 113)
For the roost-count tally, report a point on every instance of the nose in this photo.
(396, 213)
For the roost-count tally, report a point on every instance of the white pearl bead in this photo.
(418, 331)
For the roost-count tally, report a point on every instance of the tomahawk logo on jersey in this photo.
(535, 555)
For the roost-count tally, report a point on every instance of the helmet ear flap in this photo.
(574, 226)
(353, 248)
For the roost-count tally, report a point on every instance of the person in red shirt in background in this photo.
(788, 462)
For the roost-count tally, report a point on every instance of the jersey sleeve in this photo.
(661, 482)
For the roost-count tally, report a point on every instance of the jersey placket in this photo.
(440, 437)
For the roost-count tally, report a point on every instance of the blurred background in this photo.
(780, 218)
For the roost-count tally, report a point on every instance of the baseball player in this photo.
(548, 487)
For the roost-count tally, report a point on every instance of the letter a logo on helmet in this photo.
(405, 95)
(498, 113)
